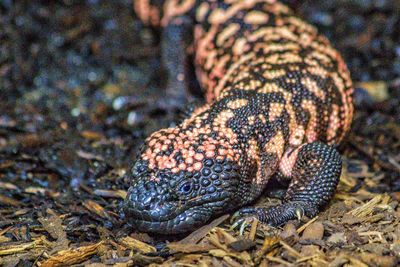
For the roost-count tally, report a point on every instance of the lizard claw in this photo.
(236, 224)
(243, 222)
(299, 213)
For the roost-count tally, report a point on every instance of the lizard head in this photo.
(181, 180)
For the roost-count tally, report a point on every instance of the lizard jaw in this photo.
(184, 222)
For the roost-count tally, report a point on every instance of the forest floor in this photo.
(78, 80)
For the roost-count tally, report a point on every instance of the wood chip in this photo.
(367, 208)
(137, 245)
(301, 229)
(189, 248)
(377, 260)
(253, 229)
(197, 235)
(110, 193)
(242, 245)
(17, 247)
(71, 256)
(96, 208)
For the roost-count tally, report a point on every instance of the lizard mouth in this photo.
(185, 221)
(172, 217)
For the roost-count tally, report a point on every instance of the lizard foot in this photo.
(273, 216)
(244, 222)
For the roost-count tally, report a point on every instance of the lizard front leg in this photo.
(314, 178)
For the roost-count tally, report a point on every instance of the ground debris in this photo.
(71, 256)
(137, 245)
(53, 225)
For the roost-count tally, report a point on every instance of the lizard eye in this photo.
(186, 188)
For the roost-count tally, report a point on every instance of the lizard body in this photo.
(279, 97)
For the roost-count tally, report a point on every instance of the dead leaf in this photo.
(313, 231)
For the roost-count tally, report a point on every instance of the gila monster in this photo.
(278, 101)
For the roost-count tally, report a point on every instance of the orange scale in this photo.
(182, 166)
(222, 152)
(197, 166)
(180, 147)
(167, 142)
(157, 144)
(152, 142)
(170, 164)
(189, 160)
(211, 147)
(156, 135)
(198, 156)
(210, 154)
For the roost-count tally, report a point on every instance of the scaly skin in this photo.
(279, 97)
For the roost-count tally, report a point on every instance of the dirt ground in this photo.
(78, 80)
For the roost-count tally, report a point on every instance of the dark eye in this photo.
(186, 188)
